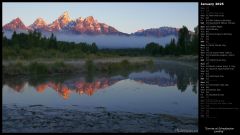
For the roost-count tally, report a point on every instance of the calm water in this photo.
(170, 88)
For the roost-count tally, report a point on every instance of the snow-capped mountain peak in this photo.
(89, 20)
(15, 24)
(39, 22)
(64, 19)
(88, 25)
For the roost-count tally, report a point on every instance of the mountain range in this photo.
(87, 26)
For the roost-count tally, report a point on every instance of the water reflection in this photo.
(163, 75)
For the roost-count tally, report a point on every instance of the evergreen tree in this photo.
(53, 41)
(194, 42)
(14, 38)
(152, 48)
(183, 40)
(94, 47)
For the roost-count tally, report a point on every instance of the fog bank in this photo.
(109, 41)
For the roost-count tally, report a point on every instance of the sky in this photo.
(125, 17)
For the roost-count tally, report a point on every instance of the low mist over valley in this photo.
(109, 41)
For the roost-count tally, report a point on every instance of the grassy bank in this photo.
(60, 67)
(114, 59)
(113, 65)
(20, 68)
(118, 68)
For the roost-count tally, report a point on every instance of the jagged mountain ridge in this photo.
(64, 23)
(15, 24)
(157, 32)
(88, 25)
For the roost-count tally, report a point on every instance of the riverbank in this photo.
(39, 118)
(101, 65)
(184, 58)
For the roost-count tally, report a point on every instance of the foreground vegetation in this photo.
(20, 68)
(59, 67)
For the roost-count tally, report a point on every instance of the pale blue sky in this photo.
(126, 17)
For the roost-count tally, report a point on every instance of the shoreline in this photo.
(81, 61)
(39, 118)
(92, 66)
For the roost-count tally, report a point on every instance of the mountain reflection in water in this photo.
(166, 75)
(169, 88)
(81, 87)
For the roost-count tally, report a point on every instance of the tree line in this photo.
(187, 44)
(35, 44)
(36, 40)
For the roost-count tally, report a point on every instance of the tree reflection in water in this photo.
(179, 75)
